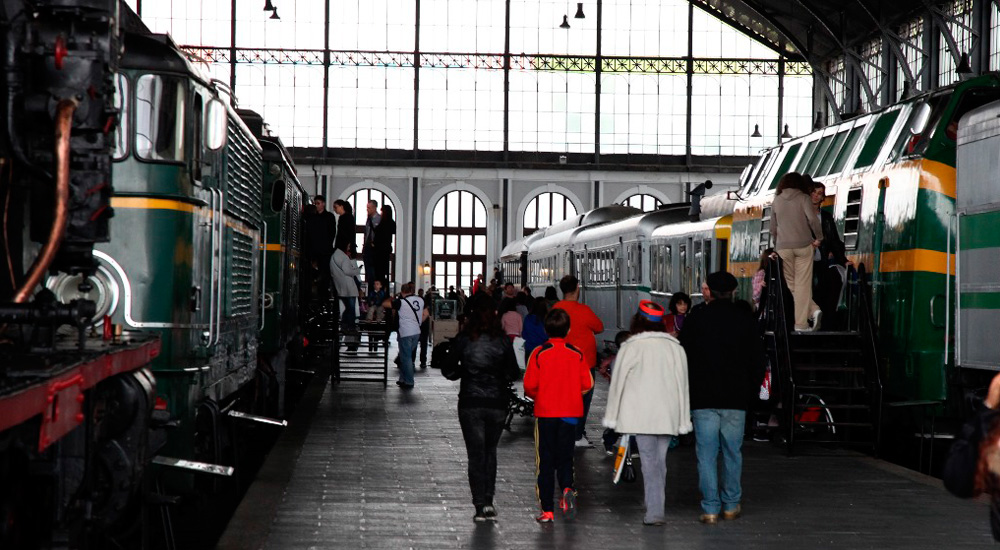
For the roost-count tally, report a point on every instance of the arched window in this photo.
(545, 210)
(644, 202)
(359, 202)
(458, 240)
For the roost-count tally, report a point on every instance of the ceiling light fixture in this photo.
(786, 134)
(964, 67)
(756, 131)
(565, 23)
(579, 11)
(268, 6)
(274, 14)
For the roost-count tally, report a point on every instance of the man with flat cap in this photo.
(725, 368)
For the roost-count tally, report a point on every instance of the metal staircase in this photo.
(829, 382)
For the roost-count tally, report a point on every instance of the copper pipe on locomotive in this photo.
(64, 123)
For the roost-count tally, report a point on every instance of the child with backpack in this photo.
(557, 376)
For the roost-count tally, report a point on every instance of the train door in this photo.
(583, 266)
(619, 270)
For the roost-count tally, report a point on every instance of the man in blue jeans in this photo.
(411, 312)
(725, 368)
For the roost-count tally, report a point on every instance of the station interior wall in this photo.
(416, 190)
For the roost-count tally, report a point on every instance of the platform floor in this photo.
(364, 466)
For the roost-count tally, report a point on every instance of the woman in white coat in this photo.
(649, 398)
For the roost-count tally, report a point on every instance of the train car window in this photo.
(831, 154)
(654, 267)
(159, 118)
(685, 269)
(847, 149)
(120, 145)
(707, 256)
(852, 219)
(818, 155)
(668, 267)
(215, 125)
(872, 146)
(806, 155)
(764, 239)
(278, 196)
(786, 163)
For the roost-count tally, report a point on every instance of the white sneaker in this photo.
(583, 442)
(815, 319)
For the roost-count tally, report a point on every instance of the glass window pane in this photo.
(452, 244)
(438, 244)
(480, 245)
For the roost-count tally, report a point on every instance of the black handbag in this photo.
(628, 472)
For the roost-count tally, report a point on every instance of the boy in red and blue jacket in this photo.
(556, 378)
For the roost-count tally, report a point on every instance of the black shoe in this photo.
(404, 385)
(480, 516)
(490, 512)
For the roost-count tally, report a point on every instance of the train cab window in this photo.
(847, 149)
(120, 144)
(852, 219)
(196, 148)
(877, 137)
(215, 125)
(756, 173)
(786, 163)
(159, 118)
(916, 133)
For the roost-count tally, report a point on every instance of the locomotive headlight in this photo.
(103, 290)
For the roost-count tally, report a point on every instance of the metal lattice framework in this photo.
(495, 61)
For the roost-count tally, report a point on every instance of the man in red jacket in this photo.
(585, 325)
(556, 378)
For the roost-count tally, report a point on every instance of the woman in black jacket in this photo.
(345, 224)
(384, 232)
(483, 358)
(831, 252)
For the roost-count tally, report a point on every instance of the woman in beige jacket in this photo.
(649, 398)
(796, 232)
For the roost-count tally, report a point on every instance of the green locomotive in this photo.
(201, 205)
(890, 179)
(282, 203)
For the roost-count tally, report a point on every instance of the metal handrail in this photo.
(869, 333)
(218, 284)
(212, 270)
(263, 277)
(776, 324)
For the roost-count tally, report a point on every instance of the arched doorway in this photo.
(359, 201)
(546, 209)
(643, 201)
(458, 240)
